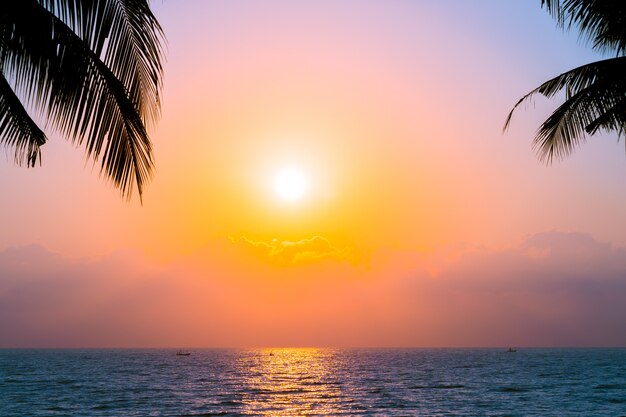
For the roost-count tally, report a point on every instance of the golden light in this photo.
(291, 184)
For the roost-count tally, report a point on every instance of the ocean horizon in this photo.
(313, 382)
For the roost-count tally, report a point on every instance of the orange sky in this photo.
(421, 225)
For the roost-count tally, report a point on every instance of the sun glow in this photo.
(291, 184)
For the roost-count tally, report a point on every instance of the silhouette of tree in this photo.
(92, 70)
(595, 94)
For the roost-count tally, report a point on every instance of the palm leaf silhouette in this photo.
(595, 94)
(93, 70)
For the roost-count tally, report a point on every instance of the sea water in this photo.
(313, 382)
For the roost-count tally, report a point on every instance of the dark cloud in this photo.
(551, 289)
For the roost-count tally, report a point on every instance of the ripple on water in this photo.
(513, 389)
(313, 382)
(437, 386)
(608, 387)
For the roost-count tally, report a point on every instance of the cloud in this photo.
(550, 289)
(285, 252)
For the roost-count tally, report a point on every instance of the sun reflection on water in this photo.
(291, 382)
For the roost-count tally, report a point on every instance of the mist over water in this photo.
(313, 382)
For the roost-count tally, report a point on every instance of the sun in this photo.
(291, 184)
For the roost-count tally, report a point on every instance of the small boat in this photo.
(182, 353)
(512, 349)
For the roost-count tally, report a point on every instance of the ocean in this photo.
(313, 382)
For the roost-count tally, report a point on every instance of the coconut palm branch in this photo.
(595, 94)
(602, 22)
(595, 100)
(92, 70)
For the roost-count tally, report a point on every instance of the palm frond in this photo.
(566, 127)
(602, 22)
(136, 37)
(17, 129)
(62, 74)
(126, 36)
(595, 94)
(613, 119)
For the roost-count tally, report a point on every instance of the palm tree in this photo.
(91, 69)
(595, 93)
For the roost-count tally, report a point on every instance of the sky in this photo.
(330, 174)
